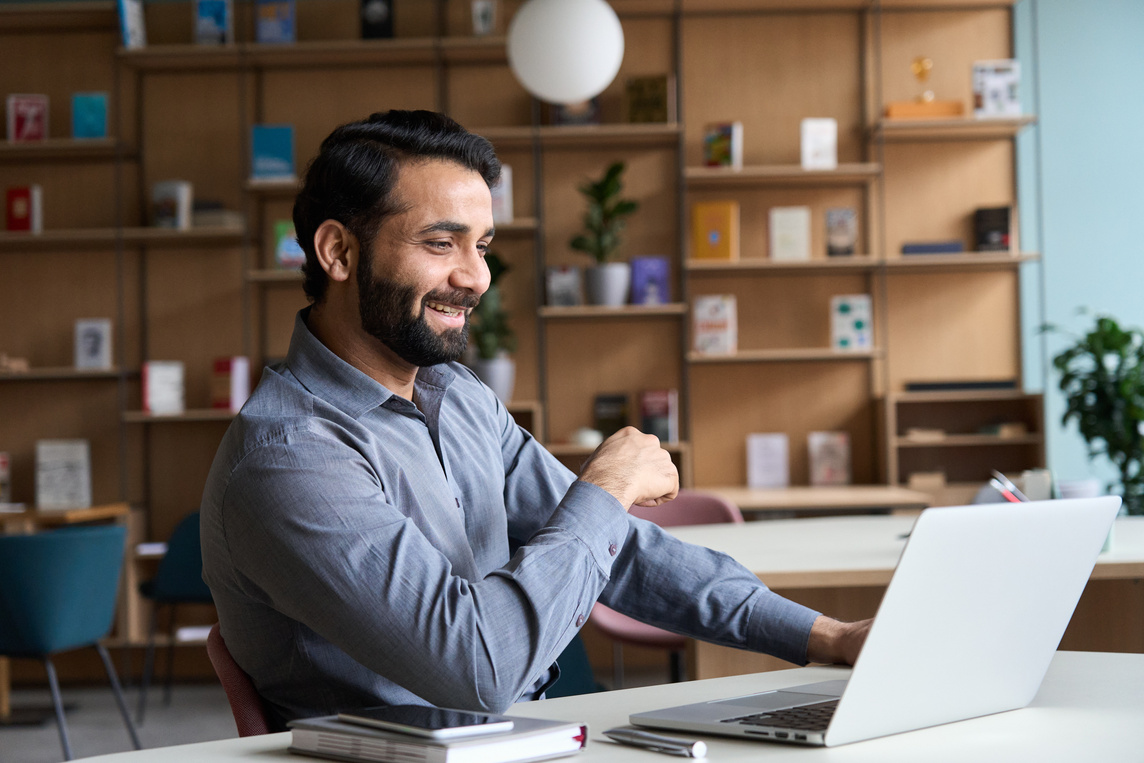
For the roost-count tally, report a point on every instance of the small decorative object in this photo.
(723, 145)
(768, 461)
(63, 474)
(851, 327)
(651, 99)
(829, 454)
(272, 153)
(715, 230)
(27, 117)
(230, 383)
(93, 343)
(89, 115)
(819, 144)
(564, 286)
(131, 27)
(25, 209)
(484, 17)
(565, 52)
(502, 196)
(925, 105)
(163, 387)
(789, 229)
(995, 88)
(659, 414)
(715, 327)
(651, 276)
(376, 19)
(604, 221)
(992, 229)
(933, 247)
(492, 337)
(288, 253)
(214, 22)
(841, 231)
(171, 204)
(586, 437)
(580, 113)
(1102, 378)
(274, 22)
(611, 412)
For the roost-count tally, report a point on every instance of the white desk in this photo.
(1090, 707)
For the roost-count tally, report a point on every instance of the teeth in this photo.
(444, 308)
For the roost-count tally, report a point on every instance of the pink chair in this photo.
(691, 507)
(245, 704)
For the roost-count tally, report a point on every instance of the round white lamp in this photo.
(565, 51)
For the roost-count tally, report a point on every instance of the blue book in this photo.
(131, 26)
(272, 152)
(650, 280)
(933, 247)
(89, 115)
(214, 22)
(274, 21)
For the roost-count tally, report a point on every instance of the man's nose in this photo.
(472, 273)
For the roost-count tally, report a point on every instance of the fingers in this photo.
(634, 468)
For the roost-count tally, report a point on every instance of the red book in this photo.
(27, 118)
(25, 209)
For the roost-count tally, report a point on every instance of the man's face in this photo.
(426, 270)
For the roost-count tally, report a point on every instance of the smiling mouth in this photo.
(445, 309)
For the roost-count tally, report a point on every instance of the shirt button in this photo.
(612, 549)
(579, 621)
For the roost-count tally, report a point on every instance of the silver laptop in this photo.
(968, 625)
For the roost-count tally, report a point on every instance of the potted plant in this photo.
(1102, 378)
(492, 337)
(604, 221)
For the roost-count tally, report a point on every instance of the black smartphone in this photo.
(429, 722)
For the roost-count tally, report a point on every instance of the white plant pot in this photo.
(499, 374)
(608, 284)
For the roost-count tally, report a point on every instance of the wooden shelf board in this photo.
(814, 498)
(56, 17)
(272, 188)
(964, 261)
(968, 440)
(60, 373)
(794, 355)
(189, 415)
(559, 449)
(518, 225)
(626, 311)
(965, 128)
(109, 237)
(46, 517)
(822, 264)
(782, 174)
(584, 136)
(960, 396)
(274, 276)
(61, 149)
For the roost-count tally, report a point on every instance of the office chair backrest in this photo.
(58, 588)
(179, 577)
(691, 507)
(245, 703)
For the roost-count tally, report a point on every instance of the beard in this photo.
(390, 313)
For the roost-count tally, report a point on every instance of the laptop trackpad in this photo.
(792, 697)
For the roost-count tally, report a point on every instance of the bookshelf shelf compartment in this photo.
(107, 238)
(782, 175)
(63, 150)
(946, 263)
(968, 440)
(60, 373)
(908, 130)
(626, 311)
(801, 355)
(584, 136)
(190, 415)
(849, 264)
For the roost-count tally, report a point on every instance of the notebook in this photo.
(967, 627)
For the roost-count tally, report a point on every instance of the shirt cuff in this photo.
(594, 516)
(781, 627)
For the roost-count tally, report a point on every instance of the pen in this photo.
(1008, 483)
(657, 743)
(1004, 491)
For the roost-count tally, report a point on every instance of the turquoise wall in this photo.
(1085, 81)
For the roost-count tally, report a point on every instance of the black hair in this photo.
(352, 178)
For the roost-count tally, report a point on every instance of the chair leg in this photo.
(113, 677)
(57, 701)
(617, 665)
(172, 623)
(148, 666)
(676, 667)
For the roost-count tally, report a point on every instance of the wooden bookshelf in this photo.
(851, 263)
(626, 311)
(781, 174)
(60, 373)
(63, 149)
(105, 238)
(968, 128)
(191, 415)
(791, 355)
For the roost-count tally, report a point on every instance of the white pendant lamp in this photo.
(565, 51)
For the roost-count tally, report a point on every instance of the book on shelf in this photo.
(952, 246)
(992, 229)
(580, 113)
(659, 413)
(819, 143)
(230, 383)
(564, 286)
(5, 478)
(829, 457)
(89, 115)
(484, 16)
(172, 202)
(530, 739)
(768, 460)
(132, 29)
(651, 280)
(841, 231)
(789, 233)
(288, 253)
(214, 22)
(27, 117)
(274, 21)
(502, 196)
(63, 474)
(376, 19)
(272, 153)
(610, 412)
(723, 145)
(650, 99)
(715, 328)
(715, 230)
(24, 208)
(93, 343)
(163, 387)
(851, 326)
(996, 86)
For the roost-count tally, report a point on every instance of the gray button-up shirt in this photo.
(363, 550)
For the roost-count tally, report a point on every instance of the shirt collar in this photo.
(332, 379)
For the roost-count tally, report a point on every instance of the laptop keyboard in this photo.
(815, 717)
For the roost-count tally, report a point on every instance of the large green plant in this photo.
(489, 327)
(604, 218)
(1102, 378)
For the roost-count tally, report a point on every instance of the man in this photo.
(377, 530)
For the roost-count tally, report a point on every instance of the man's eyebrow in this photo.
(449, 226)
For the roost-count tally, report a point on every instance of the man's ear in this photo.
(337, 250)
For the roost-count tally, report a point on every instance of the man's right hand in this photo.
(634, 468)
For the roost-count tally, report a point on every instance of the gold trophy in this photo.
(925, 105)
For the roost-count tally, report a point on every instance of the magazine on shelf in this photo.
(27, 117)
(93, 343)
(89, 115)
(63, 474)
